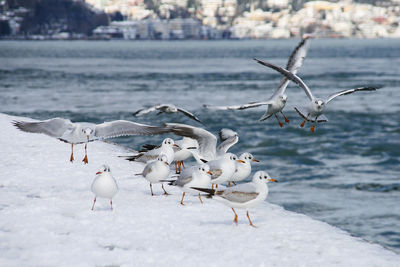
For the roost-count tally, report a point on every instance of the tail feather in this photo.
(170, 182)
(210, 192)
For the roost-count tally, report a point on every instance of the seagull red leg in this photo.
(280, 123)
(236, 217)
(85, 159)
(151, 189)
(94, 202)
(71, 159)
(306, 118)
(111, 204)
(200, 199)
(312, 129)
(251, 224)
(165, 192)
(286, 119)
(183, 196)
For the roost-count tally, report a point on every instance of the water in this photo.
(347, 173)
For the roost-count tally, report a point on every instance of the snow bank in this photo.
(45, 218)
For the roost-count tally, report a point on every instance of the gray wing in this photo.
(228, 139)
(289, 75)
(350, 91)
(239, 197)
(295, 61)
(53, 127)
(182, 181)
(188, 114)
(239, 107)
(207, 141)
(148, 169)
(144, 111)
(123, 128)
(298, 55)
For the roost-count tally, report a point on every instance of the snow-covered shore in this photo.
(45, 218)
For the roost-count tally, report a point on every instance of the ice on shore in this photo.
(45, 218)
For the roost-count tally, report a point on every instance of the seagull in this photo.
(243, 196)
(314, 110)
(208, 149)
(156, 171)
(167, 108)
(196, 176)
(243, 170)
(84, 132)
(181, 153)
(277, 101)
(146, 155)
(104, 185)
(223, 168)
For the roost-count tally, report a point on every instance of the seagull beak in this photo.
(166, 163)
(241, 161)
(176, 145)
(255, 160)
(210, 173)
(97, 173)
(87, 136)
(273, 180)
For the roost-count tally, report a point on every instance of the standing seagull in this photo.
(167, 108)
(208, 149)
(104, 185)
(84, 132)
(315, 109)
(156, 172)
(242, 170)
(146, 155)
(277, 101)
(196, 176)
(223, 168)
(181, 153)
(243, 196)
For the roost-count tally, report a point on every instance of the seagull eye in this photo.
(265, 177)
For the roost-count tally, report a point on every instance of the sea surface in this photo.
(347, 173)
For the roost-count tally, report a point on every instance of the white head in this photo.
(163, 158)
(204, 168)
(171, 108)
(262, 177)
(169, 142)
(88, 132)
(283, 98)
(247, 157)
(104, 169)
(319, 104)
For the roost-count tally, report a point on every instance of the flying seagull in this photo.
(243, 196)
(277, 101)
(167, 108)
(315, 109)
(84, 132)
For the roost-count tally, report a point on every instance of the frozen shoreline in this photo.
(46, 218)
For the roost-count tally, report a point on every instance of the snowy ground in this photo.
(45, 218)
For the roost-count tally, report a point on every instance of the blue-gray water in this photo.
(347, 173)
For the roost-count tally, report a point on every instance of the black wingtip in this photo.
(210, 192)
(204, 161)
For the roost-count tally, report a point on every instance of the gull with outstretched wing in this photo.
(84, 132)
(166, 108)
(315, 109)
(277, 101)
(208, 149)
